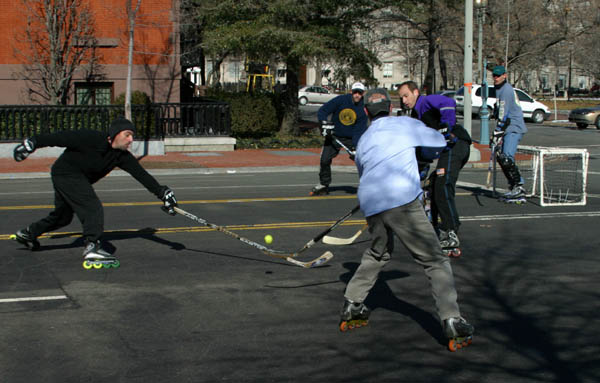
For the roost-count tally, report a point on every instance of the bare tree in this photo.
(57, 42)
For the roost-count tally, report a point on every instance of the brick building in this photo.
(156, 65)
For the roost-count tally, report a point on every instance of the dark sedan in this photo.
(586, 116)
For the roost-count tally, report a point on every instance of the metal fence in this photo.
(152, 121)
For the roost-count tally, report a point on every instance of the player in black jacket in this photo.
(89, 156)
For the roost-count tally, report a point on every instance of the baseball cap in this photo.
(358, 86)
(499, 70)
(377, 101)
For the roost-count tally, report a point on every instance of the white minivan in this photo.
(532, 109)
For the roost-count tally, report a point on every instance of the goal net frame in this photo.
(536, 166)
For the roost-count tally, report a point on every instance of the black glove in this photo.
(168, 198)
(448, 135)
(497, 135)
(326, 128)
(23, 150)
(502, 125)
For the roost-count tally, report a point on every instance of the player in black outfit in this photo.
(89, 156)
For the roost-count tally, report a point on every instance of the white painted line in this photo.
(531, 216)
(33, 299)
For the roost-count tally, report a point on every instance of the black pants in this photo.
(443, 185)
(73, 194)
(330, 150)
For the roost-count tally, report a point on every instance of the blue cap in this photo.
(499, 70)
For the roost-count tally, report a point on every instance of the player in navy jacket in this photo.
(349, 123)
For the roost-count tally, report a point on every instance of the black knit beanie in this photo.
(118, 125)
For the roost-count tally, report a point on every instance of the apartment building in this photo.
(156, 68)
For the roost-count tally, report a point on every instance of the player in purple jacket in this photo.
(439, 112)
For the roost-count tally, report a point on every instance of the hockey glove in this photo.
(169, 200)
(496, 137)
(447, 132)
(503, 124)
(326, 128)
(23, 150)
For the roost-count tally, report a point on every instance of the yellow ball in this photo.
(268, 239)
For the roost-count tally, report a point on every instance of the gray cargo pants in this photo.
(414, 230)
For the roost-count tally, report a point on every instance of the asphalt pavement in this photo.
(191, 304)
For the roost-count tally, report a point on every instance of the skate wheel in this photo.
(455, 253)
(453, 346)
(97, 265)
(87, 265)
(116, 264)
(13, 237)
(344, 326)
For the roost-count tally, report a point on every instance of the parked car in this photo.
(448, 93)
(314, 95)
(586, 116)
(532, 109)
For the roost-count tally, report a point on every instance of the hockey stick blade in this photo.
(325, 257)
(488, 182)
(319, 261)
(343, 241)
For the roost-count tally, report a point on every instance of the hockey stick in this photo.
(324, 233)
(322, 259)
(488, 182)
(350, 152)
(344, 241)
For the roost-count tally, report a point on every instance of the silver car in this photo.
(314, 95)
(586, 116)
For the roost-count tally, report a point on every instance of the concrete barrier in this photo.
(146, 148)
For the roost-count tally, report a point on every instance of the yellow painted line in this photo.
(196, 229)
(203, 201)
(191, 202)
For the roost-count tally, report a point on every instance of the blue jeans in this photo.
(510, 141)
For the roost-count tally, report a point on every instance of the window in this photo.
(562, 80)
(234, 69)
(388, 69)
(522, 96)
(491, 92)
(545, 82)
(93, 93)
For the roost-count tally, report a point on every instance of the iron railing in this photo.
(152, 121)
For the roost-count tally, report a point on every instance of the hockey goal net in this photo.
(558, 176)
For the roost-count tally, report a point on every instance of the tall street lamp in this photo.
(468, 64)
(480, 5)
(483, 112)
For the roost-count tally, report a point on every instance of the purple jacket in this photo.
(435, 110)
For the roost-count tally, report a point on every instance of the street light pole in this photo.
(480, 5)
(468, 64)
(507, 33)
(484, 138)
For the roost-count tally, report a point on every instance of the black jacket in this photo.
(89, 153)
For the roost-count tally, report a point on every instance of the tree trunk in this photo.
(443, 70)
(318, 72)
(289, 125)
(429, 76)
